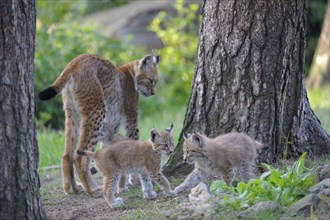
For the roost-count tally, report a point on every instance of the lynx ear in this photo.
(156, 59)
(147, 60)
(169, 129)
(153, 135)
(186, 135)
(198, 138)
(155, 54)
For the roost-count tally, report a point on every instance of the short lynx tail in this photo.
(86, 153)
(59, 83)
(47, 94)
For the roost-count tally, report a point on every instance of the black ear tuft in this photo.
(156, 59)
(47, 94)
(169, 129)
(186, 135)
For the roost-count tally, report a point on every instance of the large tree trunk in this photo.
(249, 77)
(19, 182)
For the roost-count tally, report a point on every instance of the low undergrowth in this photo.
(284, 186)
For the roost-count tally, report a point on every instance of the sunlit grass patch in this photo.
(51, 142)
(319, 100)
(51, 145)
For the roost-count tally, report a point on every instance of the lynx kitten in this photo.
(222, 157)
(131, 156)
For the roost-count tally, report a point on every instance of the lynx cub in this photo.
(95, 92)
(131, 156)
(221, 156)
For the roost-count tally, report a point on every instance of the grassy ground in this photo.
(81, 206)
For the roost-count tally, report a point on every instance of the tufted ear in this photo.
(153, 135)
(148, 60)
(186, 135)
(169, 129)
(198, 138)
(156, 59)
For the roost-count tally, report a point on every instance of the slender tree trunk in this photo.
(249, 77)
(19, 181)
(319, 73)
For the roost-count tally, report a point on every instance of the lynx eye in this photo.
(191, 151)
(151, 81)
(165, 145)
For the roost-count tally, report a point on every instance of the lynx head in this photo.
(146, 76)
(193, 147)
(162, 142)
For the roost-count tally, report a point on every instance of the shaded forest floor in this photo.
(81, 206)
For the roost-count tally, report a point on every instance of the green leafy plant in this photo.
(283, 187)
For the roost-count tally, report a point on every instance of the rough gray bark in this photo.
(249, 77)
(19, 182)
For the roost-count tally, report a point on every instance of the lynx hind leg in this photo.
(246, 171)
(109, 188)
(146, 186)
(93, 113)
(133, 180)
(72, 119)
(88, 139)
(122, 184)
(229, 175)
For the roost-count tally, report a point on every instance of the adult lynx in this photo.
(222, 157)
(95, 92)
(131, 156)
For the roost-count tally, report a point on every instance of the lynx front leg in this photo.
(163, 183)
(132, 132)
(146, 185)
(191, 181)
(109, 188)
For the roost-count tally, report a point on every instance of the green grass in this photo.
(51, 146)
(320, 103)
(51, 143)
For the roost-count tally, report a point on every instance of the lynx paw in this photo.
(151, 195)
(72, 190)
(96, 193)
(170, 193)
(118, 202)
(177, 190)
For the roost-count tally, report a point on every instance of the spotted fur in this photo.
(95, 93)
(131, 156)
(222, 157)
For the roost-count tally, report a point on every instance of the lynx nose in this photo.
(152, 92)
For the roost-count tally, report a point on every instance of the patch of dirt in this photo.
(58, 205)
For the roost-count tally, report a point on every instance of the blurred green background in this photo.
(61, 36)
